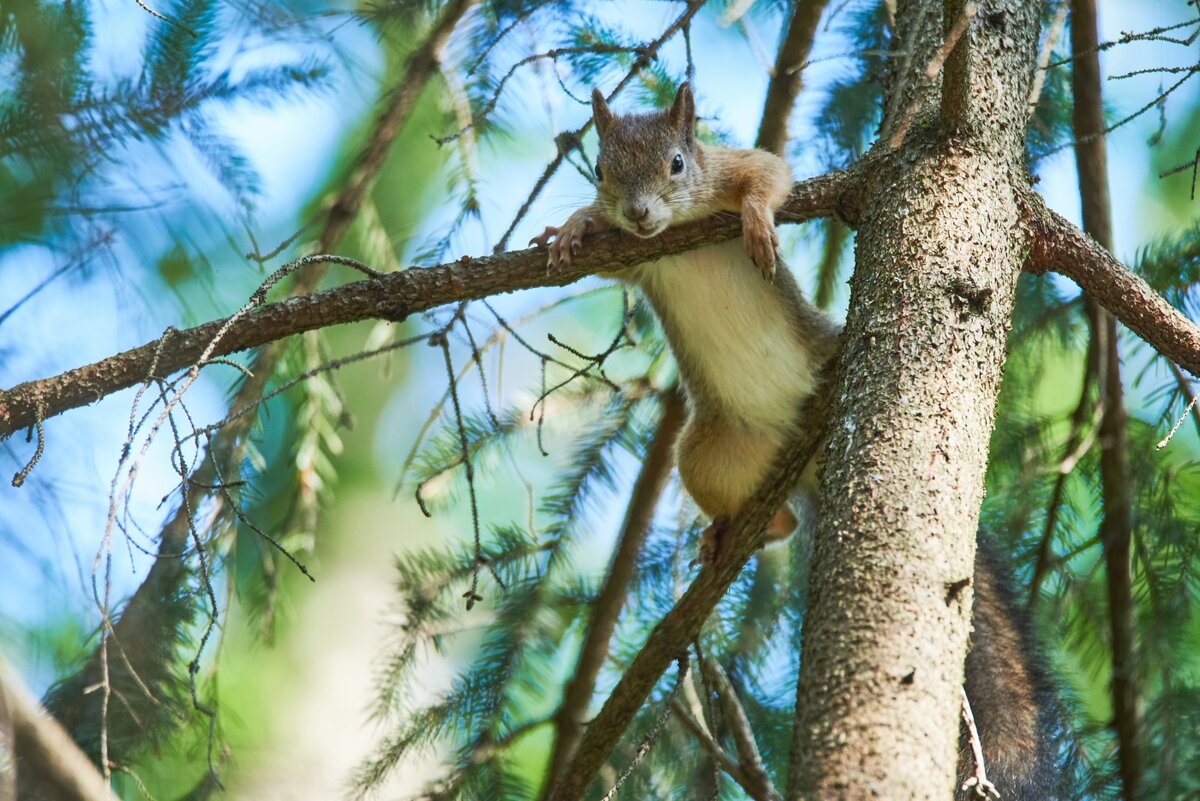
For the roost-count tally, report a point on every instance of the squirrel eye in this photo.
(599, 174)
(677, 164)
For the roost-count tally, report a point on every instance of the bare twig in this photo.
(551, 55)
(1187, 392)
(652, 735)
(714, 749)
(749, 758)
(983, 787)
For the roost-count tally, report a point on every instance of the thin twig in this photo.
(1185, 390)
(723, 761)
(983, 787)
(1039, 74)
(652, 735)
(749, 758)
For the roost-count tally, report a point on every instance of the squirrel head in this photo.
(648, 173)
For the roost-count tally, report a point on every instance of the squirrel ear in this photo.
(683, 111)
(601, 114)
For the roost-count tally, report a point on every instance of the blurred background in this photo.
(157, 164)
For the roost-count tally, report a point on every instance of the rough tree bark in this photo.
(939, 248)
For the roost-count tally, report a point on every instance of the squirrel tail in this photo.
(1011, 696)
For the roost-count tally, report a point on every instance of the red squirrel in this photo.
(728, 313)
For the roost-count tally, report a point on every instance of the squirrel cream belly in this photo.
(731, 334)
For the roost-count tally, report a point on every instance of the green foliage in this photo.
(539, 593)
(850, 107)
(1172, 267)
(63, 126)
(67, 127)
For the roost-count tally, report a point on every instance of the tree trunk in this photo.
(939, 247)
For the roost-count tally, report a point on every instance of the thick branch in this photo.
(788, 76)
(46, 757)
(1116, 527)
(680, 626)
(393, 296)
(647, 488)
(1057, 245)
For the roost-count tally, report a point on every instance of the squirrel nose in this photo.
(637, 212)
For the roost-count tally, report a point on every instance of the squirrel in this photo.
(723, 307)
(728, 313)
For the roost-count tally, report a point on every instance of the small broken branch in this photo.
(956, 77)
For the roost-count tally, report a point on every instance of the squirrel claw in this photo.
(543, 239)
(710, 540)
(761, 240)
(766, 267)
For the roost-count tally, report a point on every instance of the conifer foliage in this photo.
(545, 449)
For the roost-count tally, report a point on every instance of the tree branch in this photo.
(421, 64)
(1116, 526)
(1076, 446)
(647, 488)
(682, 623)
(1059, 246)
(393, 296)
(788, 76)
(758, 783)
(714, 749)
(46, 758)
(148, 623)
(956, 77)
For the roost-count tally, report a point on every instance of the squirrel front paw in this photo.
(567, 238)
(758, 231)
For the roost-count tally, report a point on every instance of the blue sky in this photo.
(51, 530)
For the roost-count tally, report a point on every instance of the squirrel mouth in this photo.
(647, 231)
